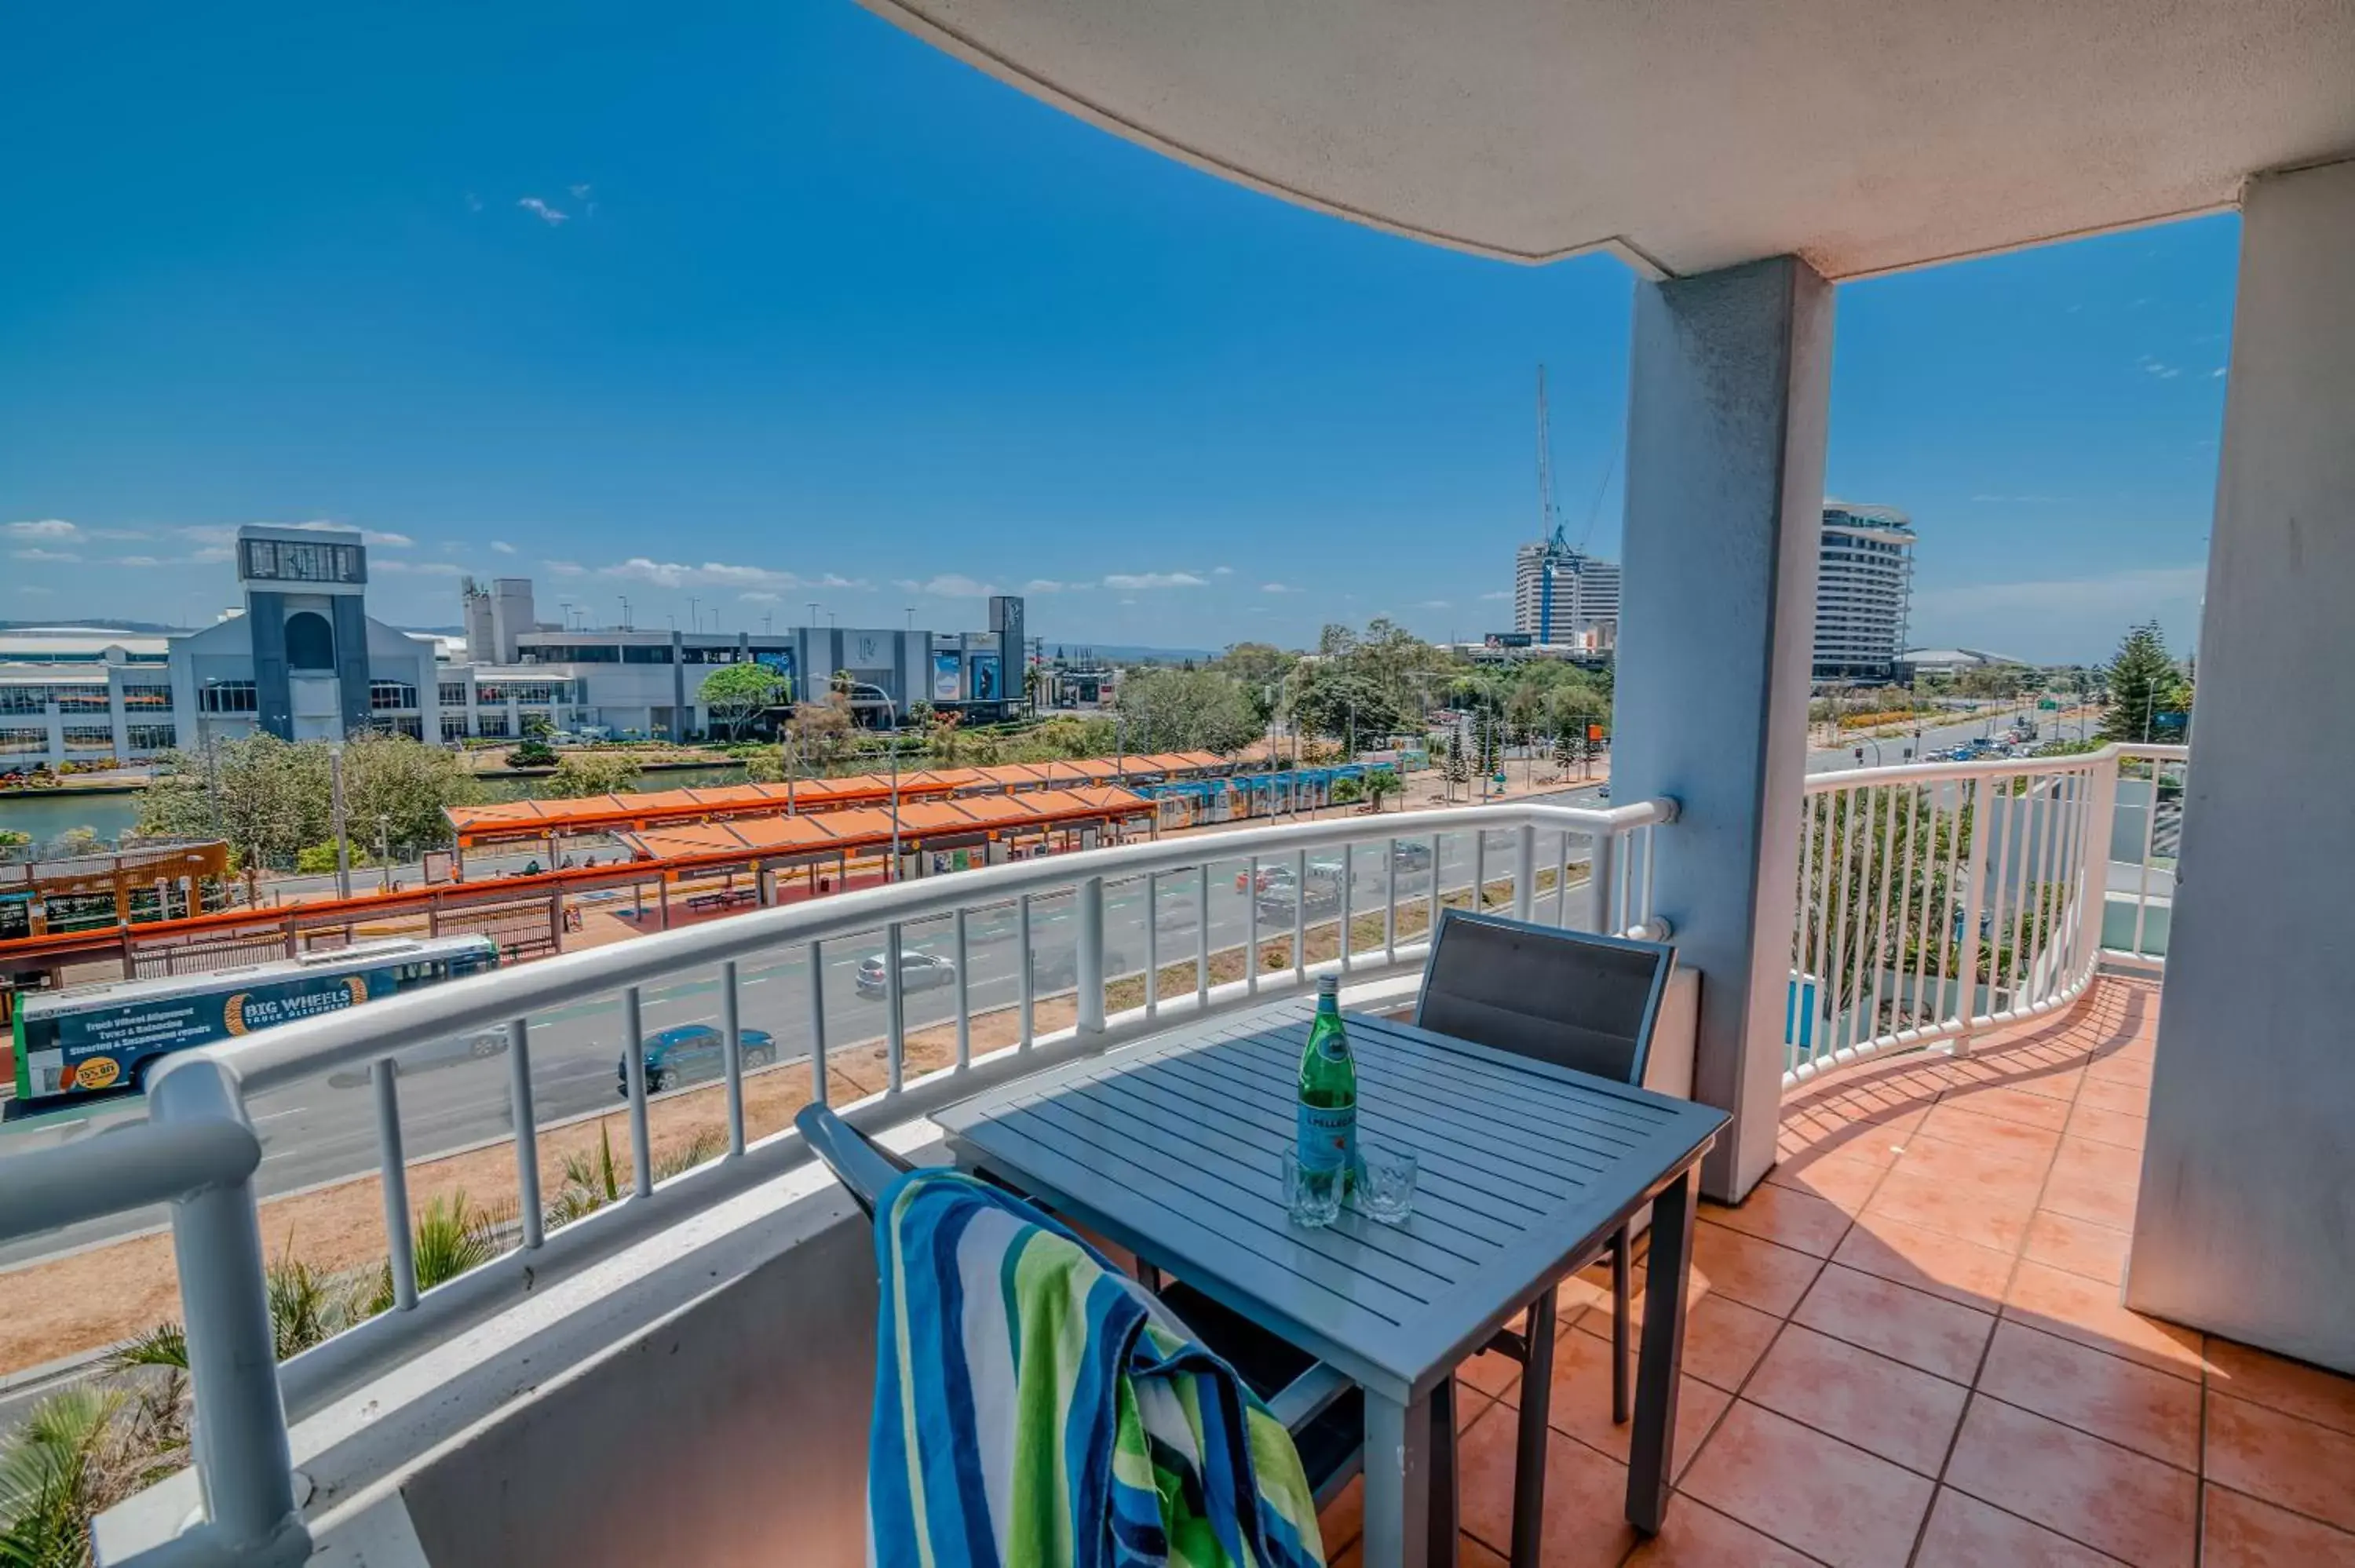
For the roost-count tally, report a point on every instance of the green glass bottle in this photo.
(1326, 1139)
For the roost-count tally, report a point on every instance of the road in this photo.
(326, 1129)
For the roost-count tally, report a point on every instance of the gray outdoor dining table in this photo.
(1175, 1149)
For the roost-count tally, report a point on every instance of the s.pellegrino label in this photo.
(1326, 1137)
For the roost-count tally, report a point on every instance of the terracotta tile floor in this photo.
(1907, 1348)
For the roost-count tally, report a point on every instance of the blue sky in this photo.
(767, 304)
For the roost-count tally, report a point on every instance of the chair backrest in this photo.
(1569, 998)
(859, 1163)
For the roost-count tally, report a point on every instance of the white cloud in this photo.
(580, 192)
(474, 202)
(503, 547)
(31, 589)
(45, 528)
(564, 568)
(1222, 571)
(1500, 594)
(1277, 587)
(759, 597)
(1134, 581)
(545, 213)
(2019, 500)
(117, 533)
(141, 561)
(947, 585)
(1048, 585)
(211, 553)
(2216, 374)
(1128, 601)
(1433, 604)
(709, 574)
(421, 569)
(37, 554)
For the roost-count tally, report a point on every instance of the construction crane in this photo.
(1548, 510)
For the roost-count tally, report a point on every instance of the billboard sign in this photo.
(948, 677)
(988, 685)
(780, 660)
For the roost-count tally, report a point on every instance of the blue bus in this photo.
(101, 1039)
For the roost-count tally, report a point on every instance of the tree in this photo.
(269, 798)
(1457, 770)
(1346, 704)
(1185, 710)
(735, 694)
(1381, 782)
(402, 787)
(821, 732)
(531, 752)
(2143, 682)
(1347, 791)
(584, 773)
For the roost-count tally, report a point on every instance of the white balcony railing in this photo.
(1942, 899)
(197, 1149)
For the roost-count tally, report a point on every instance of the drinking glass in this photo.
(1386, 1178)
(1312, 1199)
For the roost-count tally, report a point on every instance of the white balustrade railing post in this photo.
(1974, 878)
(1389, 901)
(2093, 862)
(1202, 935)
(1601, 878)
(1251, 896)
(244, 1462)
(1152, 944)
(1349, 901)
(817, 1022)
(1525, 870)
(1300, 917)
(964, 993)
(634, 1059)
(527, 1129)
(400, 1245)
(732, 1024)
(895, 1007)
(1029, 973)
(1090, 962)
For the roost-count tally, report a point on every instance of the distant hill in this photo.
(95, 623)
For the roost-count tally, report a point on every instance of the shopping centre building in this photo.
(300, 658)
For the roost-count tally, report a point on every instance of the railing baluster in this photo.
(1349, 901)
(642, 1150)
(2142, 867)
(1974, 904)
(1651, 832)
(2012, 847)
(1029, 975)
(400, 1245)
(1251, 895)
(1300, 917)
(817, 1022)
(895, 1010)
(1860, 937)
(1479, 870)
(1088, 963)
(1389, 901)
(1909, 1002)
(527, 1129)
(1431, 895)
(732, 1023)
(1836, 849)
(1525, 870)
(1202, 936)
(1602, 854)
(963, 994)
(1152, 944)
(1561, 883)
(1885, 834)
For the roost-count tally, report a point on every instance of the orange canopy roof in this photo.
(866, 828)
(666, 809)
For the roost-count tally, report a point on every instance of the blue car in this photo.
(693, 1051)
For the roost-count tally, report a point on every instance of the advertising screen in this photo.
(948, 682)
(986, 684)
(780, 660)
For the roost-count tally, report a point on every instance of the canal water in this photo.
(50, 814)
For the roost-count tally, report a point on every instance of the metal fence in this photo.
(1366, 890)
(1941, 899)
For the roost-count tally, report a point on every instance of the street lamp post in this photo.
(891, 710)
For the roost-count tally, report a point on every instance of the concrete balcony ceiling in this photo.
(1863, 135)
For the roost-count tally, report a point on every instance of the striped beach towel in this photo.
(1034, 1408)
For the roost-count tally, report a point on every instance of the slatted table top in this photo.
(1176, 1148)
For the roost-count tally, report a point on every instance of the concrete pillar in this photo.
(2245, 1228)
(1725, 465)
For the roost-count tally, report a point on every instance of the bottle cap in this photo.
(1328, 985)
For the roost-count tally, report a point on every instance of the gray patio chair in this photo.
(1571, 998)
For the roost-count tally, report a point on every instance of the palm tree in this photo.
(451, 1236)
(58, 1470)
